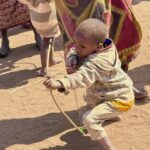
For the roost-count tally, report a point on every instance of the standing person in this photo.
(44, 19)
(108, 88)
(12, 13)
(127, 35)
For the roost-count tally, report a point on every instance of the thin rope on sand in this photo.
(28, 85)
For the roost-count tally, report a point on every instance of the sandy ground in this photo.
(29, 119)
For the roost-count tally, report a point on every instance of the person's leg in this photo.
(52, 59)
(93, 120)
(5, 44)
(38, 38)
(44, 54)
(139, 94)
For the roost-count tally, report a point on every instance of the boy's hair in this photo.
(92, 29)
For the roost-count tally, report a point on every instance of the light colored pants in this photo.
(93, 119)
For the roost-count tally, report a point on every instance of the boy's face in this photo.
(84, 47)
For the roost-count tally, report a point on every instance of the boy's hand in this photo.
(72, 66)
(52, 84)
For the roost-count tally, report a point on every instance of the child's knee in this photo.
(88, 119)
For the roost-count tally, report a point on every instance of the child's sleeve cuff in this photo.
(65, 84)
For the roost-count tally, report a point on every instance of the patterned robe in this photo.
(12, 13)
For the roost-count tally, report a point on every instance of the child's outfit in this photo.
(43, 17)
(109, 89)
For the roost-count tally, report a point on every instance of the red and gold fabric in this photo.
(124, 28)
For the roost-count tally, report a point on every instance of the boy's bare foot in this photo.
(55, 61)
(140, 94)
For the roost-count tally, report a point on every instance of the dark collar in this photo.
(106, 45)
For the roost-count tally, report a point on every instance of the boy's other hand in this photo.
(72, 66)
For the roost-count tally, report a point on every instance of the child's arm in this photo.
(84, 77)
